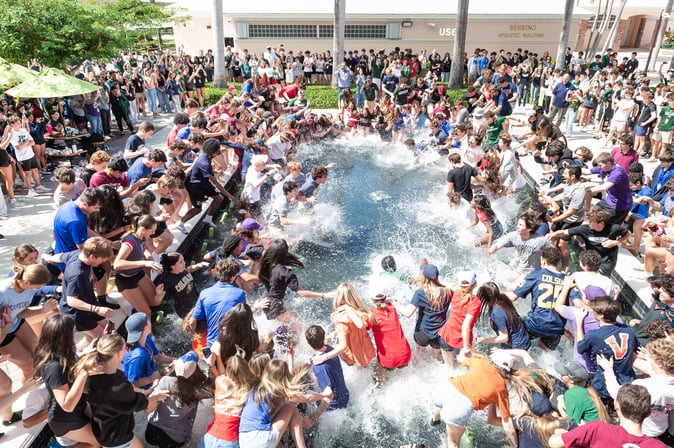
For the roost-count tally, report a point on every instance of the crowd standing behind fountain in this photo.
(117, 219)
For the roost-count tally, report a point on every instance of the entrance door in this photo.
(640, 33)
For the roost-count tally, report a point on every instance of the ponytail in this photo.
(106, 347)
(35, 274)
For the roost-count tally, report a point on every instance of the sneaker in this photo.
(31, 193)
(16, 203)
(42, 189)
(16, 417)
(209, 222)
(181, 226)
(103, 301)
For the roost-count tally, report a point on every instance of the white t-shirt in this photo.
(19, 137)
(624, 109)
(250, 192)
(584, 279)
(277, 148)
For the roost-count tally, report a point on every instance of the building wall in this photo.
(508, 34)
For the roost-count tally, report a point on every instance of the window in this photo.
(598, 19)
(282, 31)
(354, 31)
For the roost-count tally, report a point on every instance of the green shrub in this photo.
(320, 96)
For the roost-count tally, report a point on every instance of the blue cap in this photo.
(258, 141)
(135, 325)
(430, 271)
(190, 356)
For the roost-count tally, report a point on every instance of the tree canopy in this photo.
(66, 32)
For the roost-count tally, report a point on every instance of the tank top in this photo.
(225, 427)
(137, 249)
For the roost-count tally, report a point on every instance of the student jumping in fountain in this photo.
(328, 373)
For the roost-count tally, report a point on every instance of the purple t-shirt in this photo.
(619, 196)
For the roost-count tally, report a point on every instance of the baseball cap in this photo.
(430, 271)
(592, 292)
(466, 277)
(441, 89)
(479, 112)
(573, 370)
(135, 325)
(251, 224)
(503, 359)
(539, 404)
(186, 365)
(259, 141)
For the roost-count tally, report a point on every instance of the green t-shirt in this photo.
(667, 119)
(579, 405)
(377, 68)
(494, 130)
(594, 68)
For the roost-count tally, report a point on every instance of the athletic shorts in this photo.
(122, 282)
(658, 136)
(86, 320)
(10, 336)
(199, 195)
(551, 342)
(619, 126)
(161, 228)
(640, 131)
(456, 407)
(4, 158)
(436, 343)
(29, 164)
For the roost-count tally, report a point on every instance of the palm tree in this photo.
(456, 72)
(338, 39)
(219, 79)
(610, 40)
(661, 34)
(564, 36)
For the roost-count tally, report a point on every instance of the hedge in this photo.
(320, 96)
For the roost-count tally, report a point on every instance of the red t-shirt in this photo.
(600, 434)
(291, 91)
(101, 178)
(451, 331)
(393, 350)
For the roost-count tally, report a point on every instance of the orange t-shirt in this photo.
(451, 331)
(483, 385)
(359, 348)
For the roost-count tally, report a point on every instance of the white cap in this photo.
(466, 277)
(503, 359)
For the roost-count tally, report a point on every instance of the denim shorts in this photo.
(497, 228)
(456, 407)
(258, 439)
(640, 131)
(208, 441)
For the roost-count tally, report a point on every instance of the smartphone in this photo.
(111, 327)
(206, 352)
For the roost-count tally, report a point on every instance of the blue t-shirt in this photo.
(517, 338)
(329, 374)
(429, 320)
(202, 171)
(254, 416)
(77, 282)
(446, 127)
(642, 210)
(213, 303)
(19, 301)
(138, 171)
(133, 143)
(613, 341)
(139, 362)
(559, 94)
(505, 94)
(184, 133)
(389, 82)
(70, 228)
(544, 286)
(309, 188)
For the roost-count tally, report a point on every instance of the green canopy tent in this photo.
(14, 73)
(52, 83)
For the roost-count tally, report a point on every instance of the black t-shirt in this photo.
(593, 240)
(86, 174)
(77, 281)
(138, 84)
(180, 289)
(282, 278)
(370, 92)
(113, 402)
(60, 421)
(460, 177)
(470, 100)
(646, 113)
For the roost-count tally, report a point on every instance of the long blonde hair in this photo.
(436, 293)
(107, 347)
(347, 295)
(544, 425)
(278, 384)
(233, 387)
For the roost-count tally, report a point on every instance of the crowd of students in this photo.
(117, 217)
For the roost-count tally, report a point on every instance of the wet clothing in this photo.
(61, 422)
(329, 374)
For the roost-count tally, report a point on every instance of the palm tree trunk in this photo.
(610, 41)
(564, 35)
(604, 23)
(219, 79)
(456, 71)
(661, 33)
(338, 39)
(590, 36)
